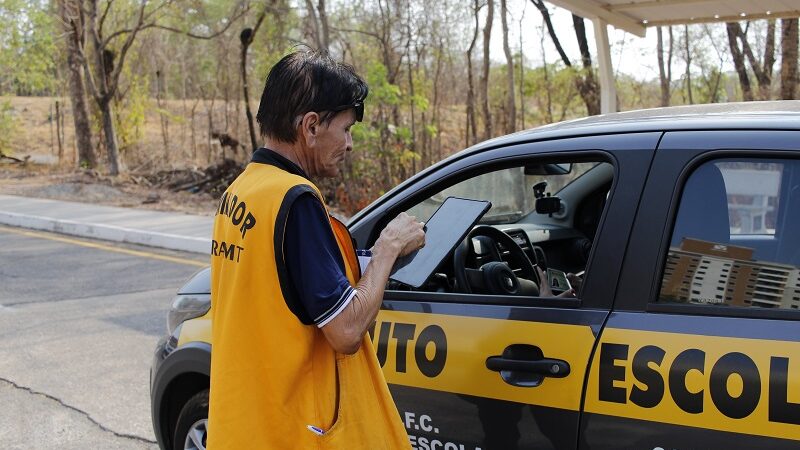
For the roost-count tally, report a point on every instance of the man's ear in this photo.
(309, 126)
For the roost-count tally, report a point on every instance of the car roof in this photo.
(773, 115)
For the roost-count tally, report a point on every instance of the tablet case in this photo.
(448, 226)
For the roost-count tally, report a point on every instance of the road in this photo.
(79, 320)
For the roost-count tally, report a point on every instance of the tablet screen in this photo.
(448, 226)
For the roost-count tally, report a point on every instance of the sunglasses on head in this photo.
(357, 106)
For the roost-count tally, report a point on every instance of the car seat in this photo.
(789, 248)
(703, 211)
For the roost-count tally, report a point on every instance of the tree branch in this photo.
(105, 14)
(156, 25)
(366, 33)
(117, 71)
(539, 4)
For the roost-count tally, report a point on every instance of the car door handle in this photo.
(555, 368)
(525, 365)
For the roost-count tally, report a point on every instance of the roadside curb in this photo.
(107, 232)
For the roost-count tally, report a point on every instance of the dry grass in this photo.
(188, 140)
(174, 135)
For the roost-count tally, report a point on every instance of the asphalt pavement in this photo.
(79, 320)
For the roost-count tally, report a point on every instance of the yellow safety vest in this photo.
(272, 377)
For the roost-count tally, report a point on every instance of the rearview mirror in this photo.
(548, 169)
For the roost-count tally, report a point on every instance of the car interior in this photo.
(543, 216)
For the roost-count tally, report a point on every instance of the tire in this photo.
(191, 430)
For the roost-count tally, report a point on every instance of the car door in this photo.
(436, 348)
(702, 348)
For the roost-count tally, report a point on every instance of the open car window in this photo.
(509, 190)
(530, 222)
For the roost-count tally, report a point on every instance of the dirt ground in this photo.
(50, 175)
(45, 181)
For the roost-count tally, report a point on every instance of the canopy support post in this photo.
(608, 89)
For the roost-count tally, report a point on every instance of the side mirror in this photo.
(548, 205)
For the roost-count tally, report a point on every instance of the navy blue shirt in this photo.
(311, 254)
(315, 262)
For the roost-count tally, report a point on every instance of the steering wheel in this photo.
(494, 277)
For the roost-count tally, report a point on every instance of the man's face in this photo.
(333, 140)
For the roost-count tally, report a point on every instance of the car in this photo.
(677, 228)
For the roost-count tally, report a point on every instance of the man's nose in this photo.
(349, 142)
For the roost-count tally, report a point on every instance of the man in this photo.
(291, 365)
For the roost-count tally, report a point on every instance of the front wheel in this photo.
(191, 430)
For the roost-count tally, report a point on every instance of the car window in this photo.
(558, 240)
(736, 237)
(510, 191)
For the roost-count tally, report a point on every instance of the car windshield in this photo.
(509, 190)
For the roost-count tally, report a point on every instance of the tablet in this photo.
(448, 226)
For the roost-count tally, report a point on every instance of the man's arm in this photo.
(402, 236)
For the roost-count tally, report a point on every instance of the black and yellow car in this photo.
(680, 228)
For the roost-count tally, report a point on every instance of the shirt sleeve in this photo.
(314, 261)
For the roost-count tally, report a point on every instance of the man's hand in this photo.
(544, 286)
(402, 235)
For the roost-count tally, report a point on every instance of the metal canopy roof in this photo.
(634, 16)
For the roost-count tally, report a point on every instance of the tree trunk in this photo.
(769, 52)
(73, 26)
(164, 118)
(111, 138)
(733, 30)
(246, 39)
(413, 100)
(487, 36)
(688, 51)
(546, 16)
(789, 36)
(312, 17)
(586, 84)
(521, 76)
(763, 73)
(662, 72)
(548, 92)
(323, 20)
(511, 124)
(472, 129)
(59, 132)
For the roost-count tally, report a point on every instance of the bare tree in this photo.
(521, 73)
(762, 70)
(246, 38)
(584, 80)
(511, 120)
(734, 30)
(665, 74)
(487, 36)
(318, 16)
(71, 17)
(716, 74)
(103, 74)
(588, 87)
(471, 131)
(688, 58)
(789, 37)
